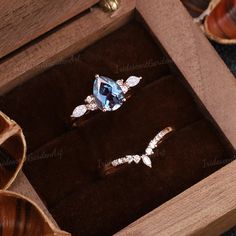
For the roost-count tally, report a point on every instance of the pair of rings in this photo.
(109, 95)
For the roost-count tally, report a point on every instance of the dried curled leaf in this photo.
(218, 21)
(220, 25)
(20, 216)
(12, 150)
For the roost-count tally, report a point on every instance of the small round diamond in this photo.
(120, 82)
(89, 99)
(129, 158)
(79, 111)
(157, 138)
(115, 163)
(92, 106)
(149, 151)
(152, 144)
(124, 88)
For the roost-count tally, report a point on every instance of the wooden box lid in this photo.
(23, 21)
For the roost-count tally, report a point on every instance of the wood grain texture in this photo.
(201, 66)
(22, 21)
(20, 215)
(60, 44)
(207, 208)
(23, 187)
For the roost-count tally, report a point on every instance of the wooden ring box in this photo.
(49, 68)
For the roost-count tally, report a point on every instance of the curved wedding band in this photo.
(112, 166)
(108, 95)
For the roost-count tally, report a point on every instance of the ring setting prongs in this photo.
(108, 95)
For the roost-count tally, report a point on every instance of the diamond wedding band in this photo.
(145, 158)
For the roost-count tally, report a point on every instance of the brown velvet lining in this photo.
(63, 162)
(44, 110)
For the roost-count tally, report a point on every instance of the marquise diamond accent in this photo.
(147, 161)
(79, 111)
(132, 81)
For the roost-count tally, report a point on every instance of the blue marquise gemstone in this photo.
(108, 94)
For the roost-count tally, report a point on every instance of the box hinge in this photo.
(109, 5)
